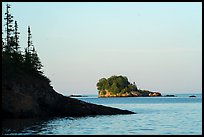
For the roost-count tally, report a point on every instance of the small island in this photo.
(73, 95)
(119, 86)
(169, 96)
(192, 96)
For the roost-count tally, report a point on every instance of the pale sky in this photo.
(157, 45)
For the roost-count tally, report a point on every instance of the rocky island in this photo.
(119, 86)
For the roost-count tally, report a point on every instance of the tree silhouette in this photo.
(32, 61)
(12, 58)
(9, 29)
(16, 38)
(17, 57)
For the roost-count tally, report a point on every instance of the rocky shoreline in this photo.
(29, 96)
(139, 93)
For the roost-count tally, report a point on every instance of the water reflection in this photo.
(36, 126)
(27, 126)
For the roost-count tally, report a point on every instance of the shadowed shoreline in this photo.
(26, 95)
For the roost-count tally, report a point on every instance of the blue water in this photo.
(180, 115)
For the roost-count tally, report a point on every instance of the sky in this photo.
(157, 45)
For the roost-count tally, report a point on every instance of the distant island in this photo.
(169, 96)
(119, 86)
(73, 95)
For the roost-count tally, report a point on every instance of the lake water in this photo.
(180, 115)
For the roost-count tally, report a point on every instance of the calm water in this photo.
(178, 115)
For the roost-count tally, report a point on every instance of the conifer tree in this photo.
(36, 61)
(32, 60)
(11, 54)
(16, 38)
(9, 30)
(28, 61)
(17, 57)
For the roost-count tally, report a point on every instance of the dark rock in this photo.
(169, 96)
(29, 96)
(138, 93)
(77, 96)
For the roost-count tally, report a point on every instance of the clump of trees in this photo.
(115, 85)
(12, 56)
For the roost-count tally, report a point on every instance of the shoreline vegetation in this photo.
(26, 91)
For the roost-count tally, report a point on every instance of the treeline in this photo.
(116, 84)
(12, 56)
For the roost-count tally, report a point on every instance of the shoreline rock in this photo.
(192, 96)
(139, 93)
(73, 95)
(169, 96)
(26, 96)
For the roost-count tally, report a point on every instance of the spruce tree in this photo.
(17, 57)
(9, 30)
(32, 60)
(16, 38)
(28, 61)
(12, 59)
(36, 61)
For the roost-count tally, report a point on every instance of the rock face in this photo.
(26, 96)
(138, 93)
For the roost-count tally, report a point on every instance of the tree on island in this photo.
(115, 85)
